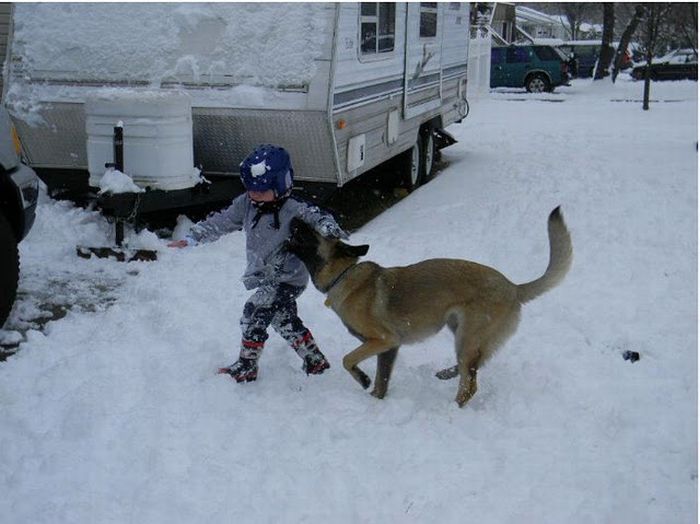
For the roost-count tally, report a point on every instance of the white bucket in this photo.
(158, 147)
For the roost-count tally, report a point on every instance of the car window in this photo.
(497, 55)
(546, 54)
(561, 54)
(677, 59)
(683, 58)
(516, 55)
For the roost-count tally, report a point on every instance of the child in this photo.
(265, 212)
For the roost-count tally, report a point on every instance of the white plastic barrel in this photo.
(158, 147)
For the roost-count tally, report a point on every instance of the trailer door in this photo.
(422, 63)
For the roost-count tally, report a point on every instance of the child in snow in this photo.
(265, 212)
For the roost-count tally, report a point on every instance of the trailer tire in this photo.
(410, 166)
(9, 268)
(428, 155)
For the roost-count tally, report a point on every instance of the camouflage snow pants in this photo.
(274, 306)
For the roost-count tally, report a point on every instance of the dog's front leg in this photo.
(366, 350)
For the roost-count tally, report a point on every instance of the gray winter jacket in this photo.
(268, 262)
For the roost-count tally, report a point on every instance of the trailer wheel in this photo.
(410, 166)
(427, 155)
(9, 268)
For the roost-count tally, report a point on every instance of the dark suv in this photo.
(537, 68)
(19, 191)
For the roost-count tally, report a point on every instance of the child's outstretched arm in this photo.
(216, 225)
(322, 221)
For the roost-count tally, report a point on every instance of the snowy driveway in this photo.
(114, 413)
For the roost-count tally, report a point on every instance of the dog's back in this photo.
(418, 300)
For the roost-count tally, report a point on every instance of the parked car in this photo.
(585, 53)
(537, 68)
(680, 64)
(19, 191)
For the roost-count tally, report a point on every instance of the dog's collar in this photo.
(338, 278)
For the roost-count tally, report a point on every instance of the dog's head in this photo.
(325, 258)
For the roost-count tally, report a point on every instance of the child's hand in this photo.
(178, 244)
(333, 230)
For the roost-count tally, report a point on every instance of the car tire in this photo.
(537, 83)
(9, 268)
(410, 166)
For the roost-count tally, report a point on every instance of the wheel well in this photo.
(10, 205)
(433, 123)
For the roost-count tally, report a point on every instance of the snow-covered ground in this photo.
(114, 414)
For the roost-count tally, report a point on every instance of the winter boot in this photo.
(243, 370)
(315, 362)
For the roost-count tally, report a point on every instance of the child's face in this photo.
(262, 196)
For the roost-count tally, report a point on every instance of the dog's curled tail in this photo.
(560, 256)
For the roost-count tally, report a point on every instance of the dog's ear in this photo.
(346, 250)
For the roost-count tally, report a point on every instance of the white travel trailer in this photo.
(343, 86)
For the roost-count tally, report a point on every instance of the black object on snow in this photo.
(632, 356)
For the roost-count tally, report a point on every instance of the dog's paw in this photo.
(362, 378)
(365, 381)
(378, 393)
(447, 373)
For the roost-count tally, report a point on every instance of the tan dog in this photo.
(388, 307)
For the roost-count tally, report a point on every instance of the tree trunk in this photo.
(606, 49)
(647, 82)
(651, 34)
(625, 40)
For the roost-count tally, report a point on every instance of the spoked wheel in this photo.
(537, 84)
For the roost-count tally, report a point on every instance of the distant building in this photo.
(509, 24)
(539, 25)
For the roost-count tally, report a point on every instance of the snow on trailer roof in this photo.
(262, 44)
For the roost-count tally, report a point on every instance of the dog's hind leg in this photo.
(385, 364)
(468, 346)
(366, 350)
(468, 366)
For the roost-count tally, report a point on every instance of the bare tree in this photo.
(685, 23)
(625, 39)
(651, 30)
(606, 49)
(576, 13)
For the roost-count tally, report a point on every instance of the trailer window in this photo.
(377, 27)
(428, 19)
